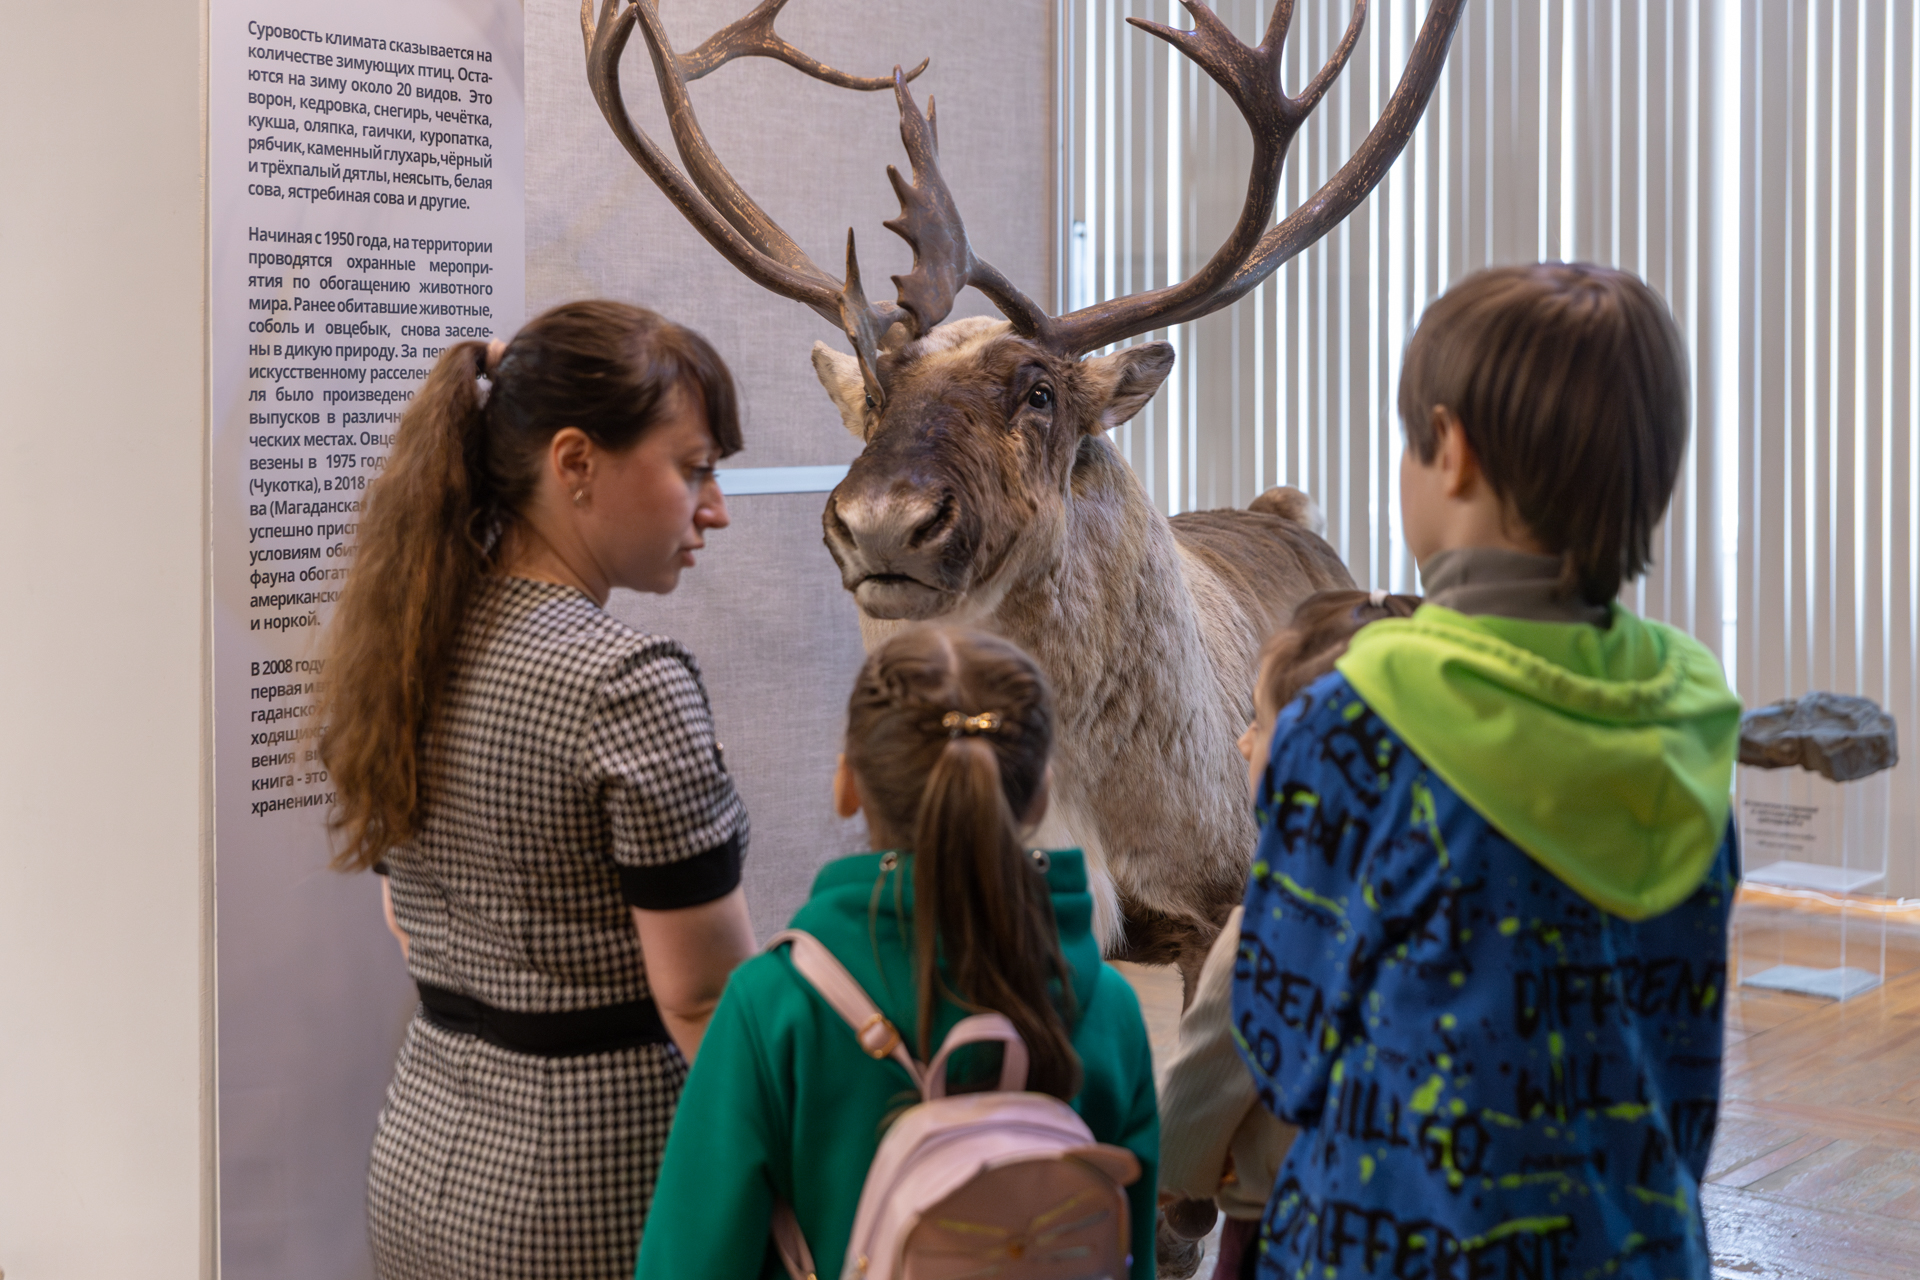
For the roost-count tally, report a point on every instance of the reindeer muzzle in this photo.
(895, 546)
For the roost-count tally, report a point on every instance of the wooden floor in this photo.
(1816, 1169)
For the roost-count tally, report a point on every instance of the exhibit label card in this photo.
(365, 209)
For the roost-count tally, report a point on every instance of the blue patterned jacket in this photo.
(1493, 1077)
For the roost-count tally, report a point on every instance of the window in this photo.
(1755, 160)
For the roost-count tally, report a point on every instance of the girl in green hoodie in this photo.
(948, 734)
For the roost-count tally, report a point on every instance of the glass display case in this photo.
(1817, 851)
(1813, 799)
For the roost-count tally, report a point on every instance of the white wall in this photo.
(104, 890)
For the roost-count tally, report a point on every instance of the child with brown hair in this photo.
(1484, 944)
(1219, 1146)
(949, 731)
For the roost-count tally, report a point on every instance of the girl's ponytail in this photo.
(949, 731)
(989, 910)
(418, 555)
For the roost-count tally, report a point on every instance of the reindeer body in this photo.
(1035, 527)
(1150, 641)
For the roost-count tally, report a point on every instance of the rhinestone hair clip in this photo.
(958, 722)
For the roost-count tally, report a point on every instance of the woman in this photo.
(541, 787)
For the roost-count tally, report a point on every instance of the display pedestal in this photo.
(1821, 845)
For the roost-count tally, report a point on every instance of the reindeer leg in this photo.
(1175, 1254)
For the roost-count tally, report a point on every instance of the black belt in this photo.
(546, 1035)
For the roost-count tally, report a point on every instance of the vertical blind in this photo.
(1754, 160)
(1827, 349)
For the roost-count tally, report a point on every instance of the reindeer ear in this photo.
(1121, 384)
(840, 375)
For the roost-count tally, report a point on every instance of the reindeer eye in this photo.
(869, 399)
(1040, 398)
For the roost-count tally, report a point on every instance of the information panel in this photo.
(366, 209)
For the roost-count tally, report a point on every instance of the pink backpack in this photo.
(1008, 1184)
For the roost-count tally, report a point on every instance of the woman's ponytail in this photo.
(418, 555)
(949, 731)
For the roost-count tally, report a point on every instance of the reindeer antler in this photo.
(1362, 172)
(944, 264)
(754, 37)
(707, 195)
(929, 221)
(943, 261)
(1251, 77)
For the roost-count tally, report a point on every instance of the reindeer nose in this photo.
(837, 529)
(888, 526)
(902, 550)
(938, 523)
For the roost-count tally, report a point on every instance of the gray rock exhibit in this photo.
(1836, 735)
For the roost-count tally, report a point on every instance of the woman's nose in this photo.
(712, 511)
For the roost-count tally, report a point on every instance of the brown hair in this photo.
(462, 467)
(979, 905)
(1571, 382)
(1307, 647)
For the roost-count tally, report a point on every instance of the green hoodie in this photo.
(1606, 754)
(783, 1101)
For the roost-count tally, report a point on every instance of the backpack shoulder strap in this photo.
(978, 1029)
(791, 1244)
(879, 1037)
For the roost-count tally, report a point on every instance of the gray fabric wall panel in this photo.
(779, 644)
(775, 633)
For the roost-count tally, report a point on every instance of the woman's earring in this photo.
(579, 497)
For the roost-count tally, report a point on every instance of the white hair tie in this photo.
(1377, 597)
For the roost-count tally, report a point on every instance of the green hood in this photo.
(1607, 755)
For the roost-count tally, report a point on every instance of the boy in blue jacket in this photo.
(1482, 964)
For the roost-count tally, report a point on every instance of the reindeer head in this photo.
(971, 428)
(963, 484)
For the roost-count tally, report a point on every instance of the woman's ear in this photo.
(846, 789)
(570, 455)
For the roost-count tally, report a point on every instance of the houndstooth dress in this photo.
(571, 771)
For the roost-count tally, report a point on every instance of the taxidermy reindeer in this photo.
(987, 491)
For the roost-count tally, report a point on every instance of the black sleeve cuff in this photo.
(688, 883)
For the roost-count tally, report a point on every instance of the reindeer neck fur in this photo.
(1115, 623)
(1114, 603)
